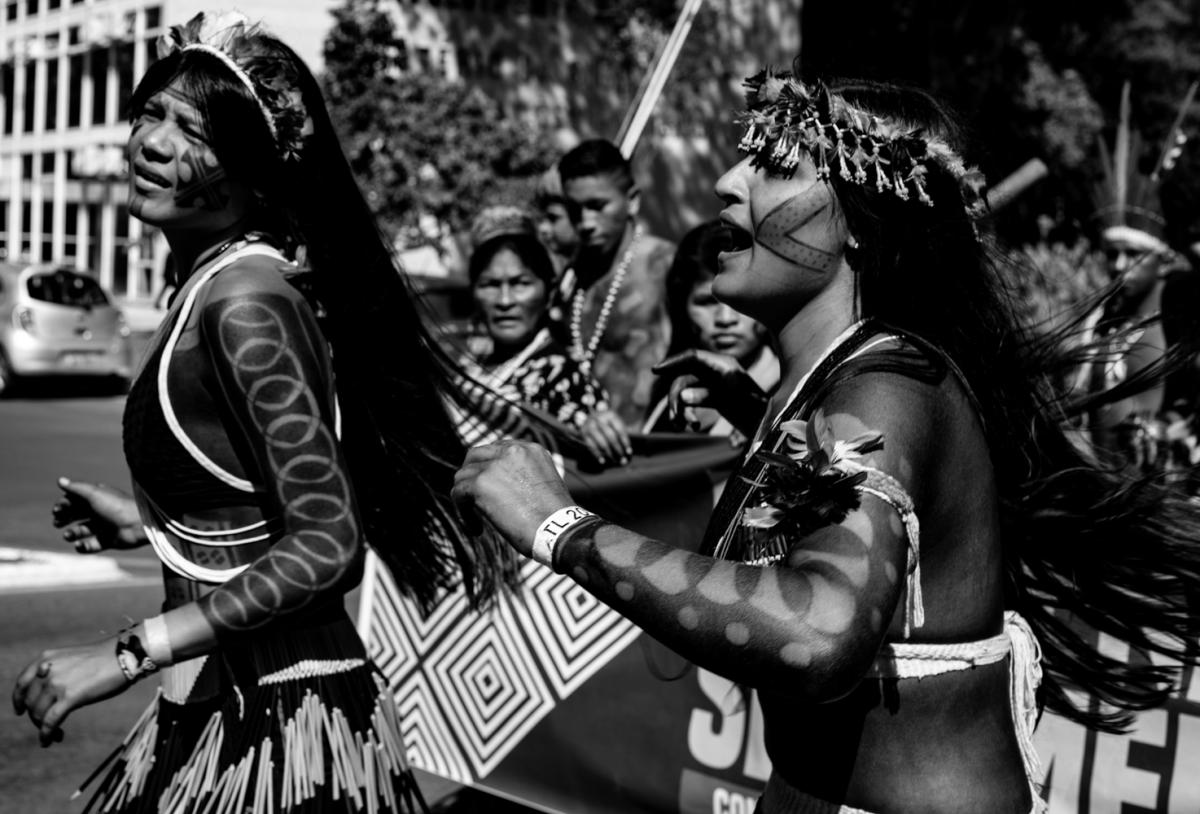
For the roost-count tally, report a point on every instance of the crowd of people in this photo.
(914, 502)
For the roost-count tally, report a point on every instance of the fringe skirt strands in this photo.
(301, 726)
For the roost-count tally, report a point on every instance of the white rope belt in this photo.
(906, 660)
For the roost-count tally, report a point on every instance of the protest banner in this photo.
(551, 698)
(1154, 767)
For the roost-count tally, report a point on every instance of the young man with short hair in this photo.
(613, 299)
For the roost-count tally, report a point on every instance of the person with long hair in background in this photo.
(897, 567)
(702, 325)
(284, 416)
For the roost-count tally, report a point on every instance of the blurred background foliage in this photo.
(1032, 79)
(428, 152)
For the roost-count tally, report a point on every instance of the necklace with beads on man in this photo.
(586, 353)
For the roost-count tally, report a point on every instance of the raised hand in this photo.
(715, 380)
(607, 438)
(95, 517)
(514, 486)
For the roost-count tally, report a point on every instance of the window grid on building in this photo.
(66, 77)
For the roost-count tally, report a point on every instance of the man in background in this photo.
(1145, 418)
(613, 298)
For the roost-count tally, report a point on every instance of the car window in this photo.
(64, 287)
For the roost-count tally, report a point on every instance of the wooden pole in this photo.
(1022, 179)
(654, 81)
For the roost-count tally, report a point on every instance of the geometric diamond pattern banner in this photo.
(471, 684)
(551, 698)
(573, 633)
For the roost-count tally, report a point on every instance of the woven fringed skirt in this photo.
(302, 722)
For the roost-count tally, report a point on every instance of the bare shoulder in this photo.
(250, 277)
(915, 415)
(883, 401)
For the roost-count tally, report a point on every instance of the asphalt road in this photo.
(51, 597)
(44, 435)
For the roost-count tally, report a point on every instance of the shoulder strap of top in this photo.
(729, 507)
(164, 394)
(917, 358)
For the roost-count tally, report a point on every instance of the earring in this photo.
(853, 252)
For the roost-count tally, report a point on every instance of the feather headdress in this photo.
(231, 38)
(786, 118)
(1127, 199)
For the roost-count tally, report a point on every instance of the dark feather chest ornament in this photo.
(801, 489)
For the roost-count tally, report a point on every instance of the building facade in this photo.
(67, 71)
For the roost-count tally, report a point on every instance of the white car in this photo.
(58, 321)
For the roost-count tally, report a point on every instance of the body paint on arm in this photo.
(801, 629)
(260, 352)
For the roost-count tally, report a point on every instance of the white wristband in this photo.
(551, 529)
(158, 644)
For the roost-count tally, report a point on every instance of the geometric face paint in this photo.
(776, 232)
(180, 154)
(201, 180)
(199, 172)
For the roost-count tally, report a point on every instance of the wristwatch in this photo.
(131, 656)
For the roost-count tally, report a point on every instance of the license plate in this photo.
(80, 359)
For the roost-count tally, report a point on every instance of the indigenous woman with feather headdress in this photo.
(284, 415)
(887, 570)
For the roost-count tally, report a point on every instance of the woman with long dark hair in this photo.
(703, 326)
(284, 416)
(910, 508)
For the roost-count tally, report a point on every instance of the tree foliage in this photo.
(1033, 78)
(428, 152)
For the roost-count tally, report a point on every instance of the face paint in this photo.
(202, 183)
(776, 232)
(176, 180)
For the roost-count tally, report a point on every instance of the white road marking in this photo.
(23, 570)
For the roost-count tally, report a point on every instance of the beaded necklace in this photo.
(585, 355)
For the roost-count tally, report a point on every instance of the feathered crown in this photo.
(784, 117)
(1125, 197)
(230, 37)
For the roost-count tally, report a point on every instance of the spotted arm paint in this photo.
(807, 627)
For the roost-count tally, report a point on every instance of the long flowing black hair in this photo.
(1116, 550)
(392, 377)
